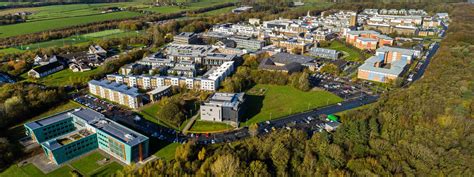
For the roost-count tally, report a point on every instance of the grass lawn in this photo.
(167, 152)
(56, 23)
(191, 6)
(149, 111)
(73, 40)
(350, 54)
(31, 170)
(205, 127)
(88, 164)
(217, 12)
(107, 170)
(263, 101)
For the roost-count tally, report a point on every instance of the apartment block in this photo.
(67, 135)
(210, 81)
(116, 92)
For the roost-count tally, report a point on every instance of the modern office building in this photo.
(116, 92)
(387, 64)
(67, 135)
(247, 43)
(223, 107)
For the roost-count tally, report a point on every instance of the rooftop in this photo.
(116, 87)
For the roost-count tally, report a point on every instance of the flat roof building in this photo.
(69, 134)
(116, 92)
(223, 107)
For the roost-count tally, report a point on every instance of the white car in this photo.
(340, 104)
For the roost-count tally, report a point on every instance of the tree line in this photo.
(423, 130)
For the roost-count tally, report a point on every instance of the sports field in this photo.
(265, 102)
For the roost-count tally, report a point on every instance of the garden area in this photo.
(265, 102)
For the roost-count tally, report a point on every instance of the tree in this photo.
(330, 68)
(253, 129)
(226, 165)
(258, 168)
(280, 157)
(202, 154)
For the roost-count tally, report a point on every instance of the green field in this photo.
(44, 25)
(217, 12)
(265, 101)
(31, 170)
(191, 6)
(149, 111)
(349, 54)
(208, 127)
(167, 152)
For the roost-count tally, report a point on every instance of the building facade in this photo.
(122, 94)
(388, 64)
(223, 107)
(67, 135)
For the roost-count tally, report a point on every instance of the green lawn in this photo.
(350, 54)
(88, 164)
(265, 101)
(191, 6)
(31, 170)
(50, 24)
(217, 12)
(167, 152)
(107, 170)
(205, 127)
(149, 111)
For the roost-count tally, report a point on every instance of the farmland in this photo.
(73, 40)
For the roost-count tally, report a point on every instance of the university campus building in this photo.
(223, 107)
(387, 64)
(368, 40)
(67, 135)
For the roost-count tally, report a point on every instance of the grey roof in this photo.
(226, 99)
(403, 51)
(363, 32)
(324, 50)
(47, 121)
(287, 58)
(47, 67)
(396, 67)
(367, 39)
(94, 119)
(220, 56)
(116, 87)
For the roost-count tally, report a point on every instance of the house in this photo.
(285, 62)
(44, 60)
(83, 61)
(45, 70)
(223, 107)
(388, 64)
(70, 134)
(324, 53)
(97, 50)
